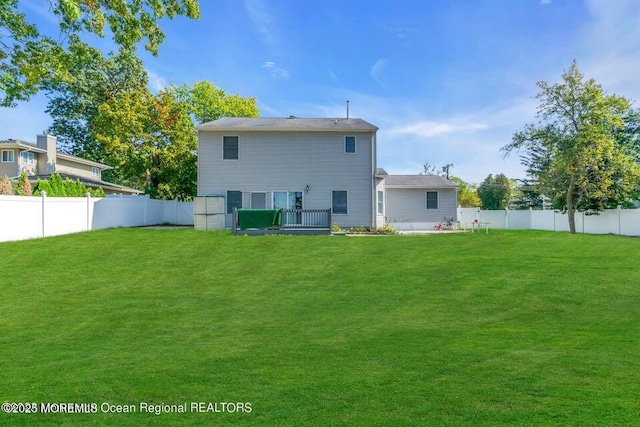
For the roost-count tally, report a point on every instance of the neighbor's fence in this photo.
(612, 221)
(23, 217)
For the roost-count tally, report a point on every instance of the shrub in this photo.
(56, 187)
(5, 186)
(24, 186)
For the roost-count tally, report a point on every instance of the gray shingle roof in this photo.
(287, 124)
(418, 181)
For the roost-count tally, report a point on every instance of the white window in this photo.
(339, 202)
(229, 148)
(432, 200)
(27, 158)
(8, 156)
(350, 144)
(95, 171)
(381, 202)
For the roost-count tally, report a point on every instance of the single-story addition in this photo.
(314, 164)
(42, 159)
(420, 201)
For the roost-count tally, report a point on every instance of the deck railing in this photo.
(297, 219)
(306, 218)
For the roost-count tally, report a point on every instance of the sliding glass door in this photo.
(289, 200)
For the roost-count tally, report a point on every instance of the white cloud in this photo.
(262, 20)
(429, 129)
(156, 81)
(545, 1)
(377, 69)
(275, 71)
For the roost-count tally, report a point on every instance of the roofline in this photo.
(200, 128)
(420, 186)
(21, 144)
(81, 160)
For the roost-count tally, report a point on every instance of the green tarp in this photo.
(259, 218)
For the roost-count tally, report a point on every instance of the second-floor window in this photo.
(95, 171)
(27, 158)
(8, 156)
(349, 144)
(229, 148)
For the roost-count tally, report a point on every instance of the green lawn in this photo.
(510, 327)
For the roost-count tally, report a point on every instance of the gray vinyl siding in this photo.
(410, 205)
(291, 161)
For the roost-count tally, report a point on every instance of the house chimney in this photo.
(47, 162)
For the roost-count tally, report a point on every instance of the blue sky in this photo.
(446, 81)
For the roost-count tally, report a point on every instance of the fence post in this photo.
(506, 218)
(176, 210)
(619, 220)
(88, 211)
(43, 198)
(530, 218)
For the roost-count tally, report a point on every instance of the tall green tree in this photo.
(495, 192)
(73, 105)
(574, 153)
(30, 59)
(467, 193)
(151, 142)
(207, 102)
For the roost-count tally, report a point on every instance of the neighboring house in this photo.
(42, 159)
(420, 201)
(302, 163)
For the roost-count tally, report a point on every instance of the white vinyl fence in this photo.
(24, 217)
(612, 221)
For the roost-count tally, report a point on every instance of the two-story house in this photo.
(312, 163)
(42, 159)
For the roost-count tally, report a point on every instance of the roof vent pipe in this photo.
(347, 109)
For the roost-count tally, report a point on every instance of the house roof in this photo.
(16, 143)
(81, 160)
(291, 123)
(418, 181)
(381, 173)
(88, 182)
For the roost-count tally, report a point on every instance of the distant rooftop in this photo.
(291, 123)
(418, 181)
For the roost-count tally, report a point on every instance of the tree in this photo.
(575, 154)
(467, 193)
(29, 59)
(73, 105)
(151, 142)
(5, 186)
(429, 169)
(24, 186)
(206, 102)
(495, 192)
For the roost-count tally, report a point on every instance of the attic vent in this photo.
(292, 117)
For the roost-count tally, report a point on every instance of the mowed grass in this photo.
(510, 327)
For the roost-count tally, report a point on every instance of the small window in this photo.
(229, 148)
(234, 200)
(349, 144)
(95, 171)
(8, 156)
(432, 200)
(381, 202)
(339, 202)
(27, 157)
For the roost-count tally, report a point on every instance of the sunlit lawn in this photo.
(511, 327)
